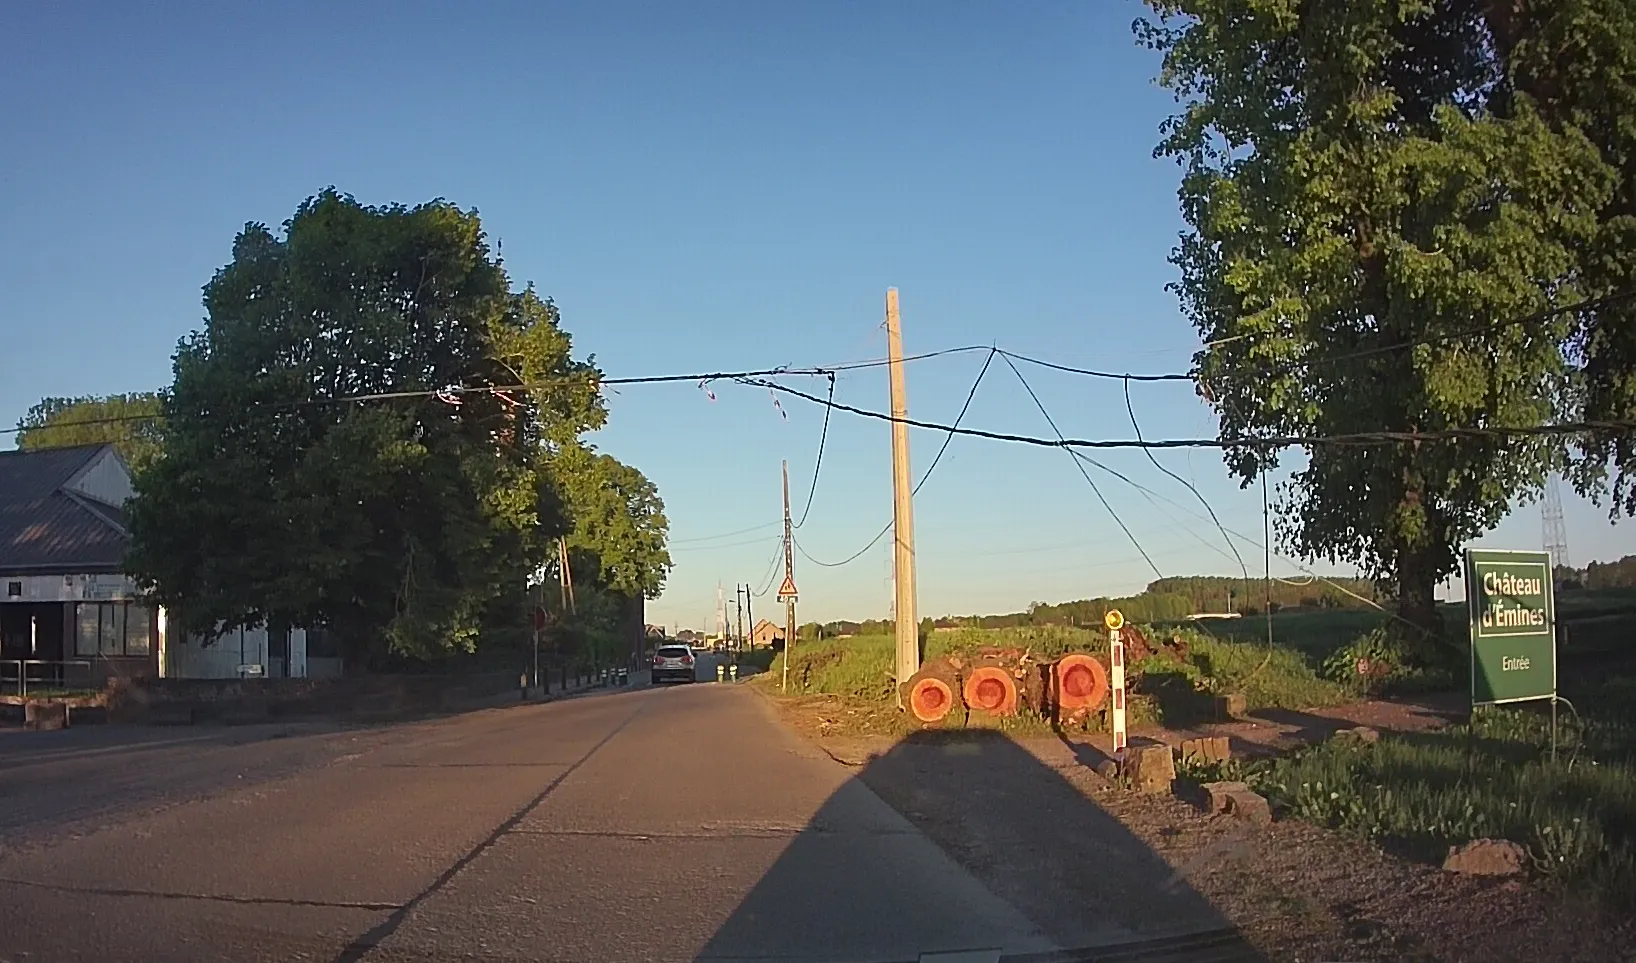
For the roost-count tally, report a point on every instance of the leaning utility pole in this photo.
(903, 522)
(750, 614)
(786, 591)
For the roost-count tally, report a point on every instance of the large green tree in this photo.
(310, 474)
(1576, 61)
(129, 422)
(616, 550)
(1363, 187)
(619, 527)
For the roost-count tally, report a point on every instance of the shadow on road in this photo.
(1072, 882)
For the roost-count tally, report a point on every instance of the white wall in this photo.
(104, 479)
(190, 658)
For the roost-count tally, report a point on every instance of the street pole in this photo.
(750, 614)
(903, 525)
(787, 590)
(738, 608)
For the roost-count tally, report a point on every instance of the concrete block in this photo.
(45, 716)
(1220, 794)
(1249, 806)
(1206, 750)
(1151, 768)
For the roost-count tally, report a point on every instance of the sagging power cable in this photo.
(1081, 468)
(966, 406)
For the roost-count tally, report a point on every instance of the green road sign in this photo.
(1513, 625)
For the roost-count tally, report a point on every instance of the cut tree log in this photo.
(931, 692)
(989, 687)
(1079, 681)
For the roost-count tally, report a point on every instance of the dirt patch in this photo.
(1094, 863)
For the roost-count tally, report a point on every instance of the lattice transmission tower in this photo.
(1555, 532)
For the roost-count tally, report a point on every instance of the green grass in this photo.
(1417, 794)
(756, 659)
(1164, 691)
(1315, 633)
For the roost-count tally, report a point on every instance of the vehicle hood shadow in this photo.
(968, 841)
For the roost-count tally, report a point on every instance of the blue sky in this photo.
(701, 187)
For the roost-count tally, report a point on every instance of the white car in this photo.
(673, 661)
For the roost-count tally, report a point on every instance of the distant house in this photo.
(70, 615)
(766, 633)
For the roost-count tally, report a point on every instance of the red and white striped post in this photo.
(1116, 680)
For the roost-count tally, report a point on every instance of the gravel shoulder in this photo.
(1032, 820)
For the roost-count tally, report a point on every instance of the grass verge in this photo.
(1166, 691)
(1494, 777)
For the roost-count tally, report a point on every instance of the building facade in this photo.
(71, 617)
(68, 615)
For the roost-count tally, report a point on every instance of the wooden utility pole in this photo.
(786, 591)
(738, 613)
(567, 575)
(750, 614)
(903, 521)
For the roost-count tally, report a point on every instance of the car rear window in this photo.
(673, 651)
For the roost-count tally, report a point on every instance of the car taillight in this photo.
(687, 660)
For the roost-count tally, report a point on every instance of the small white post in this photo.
(1116, 681)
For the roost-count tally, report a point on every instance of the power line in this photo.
(1081, 468)
(772, 571)
(1123, 376)
(759, 378)
(823, 436)
(457, 390)
(1535, 318)
(925, 475)
(713, 548)
(1281, 367)
(1130, 409)
(711, 538)
(1263, 441)
(1266, 546)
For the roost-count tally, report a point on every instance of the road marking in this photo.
(208, 897)
(361, 947)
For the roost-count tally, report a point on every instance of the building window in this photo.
(85, 629)
(112, 629)
(138, 629)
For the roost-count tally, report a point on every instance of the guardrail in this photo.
(18, 676)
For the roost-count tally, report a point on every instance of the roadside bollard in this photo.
(522, 685)
(721, 673)
(732, 671)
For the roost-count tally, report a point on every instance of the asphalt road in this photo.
(679, 823)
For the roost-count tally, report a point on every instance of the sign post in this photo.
(1513, 628)
(1115, 621)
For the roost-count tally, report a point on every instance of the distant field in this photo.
(1593, 621)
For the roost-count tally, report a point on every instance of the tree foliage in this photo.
(619, 528)
(309, 476)
(1576, 61)
(1364, 187)
(128, 422)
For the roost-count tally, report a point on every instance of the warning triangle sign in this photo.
(787, 590)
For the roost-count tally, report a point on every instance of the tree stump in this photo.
(931, 692)
(990, 688)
